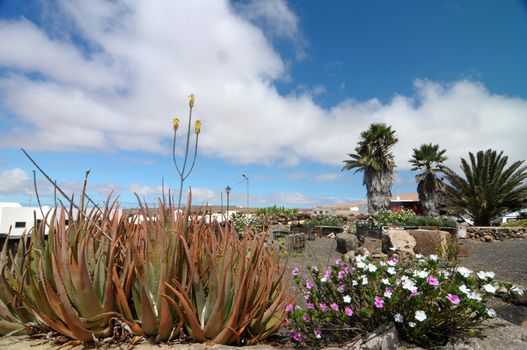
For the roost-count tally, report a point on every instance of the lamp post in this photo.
(228, 191)
(247, 179)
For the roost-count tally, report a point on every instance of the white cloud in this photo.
(328, 177)
(15, 181)
(147, 56)
(146, 190)
(297, 175)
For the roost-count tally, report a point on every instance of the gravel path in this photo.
(508, 259)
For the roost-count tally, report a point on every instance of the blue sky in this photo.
(283, 88)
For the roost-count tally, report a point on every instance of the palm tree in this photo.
(428, 159)
(489, 188)
(373, 157)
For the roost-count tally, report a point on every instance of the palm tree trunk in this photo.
(378, 187)
(427, 197)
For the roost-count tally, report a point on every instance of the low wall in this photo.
(489, 234)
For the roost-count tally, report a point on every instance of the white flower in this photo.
(398, 318)
(408, 284)
(420, 315)
(314, 269)
(434, 257)
(491, 312)
(364, 280)
(347, 299)
(411, 324)
(463, 271)
(388, 293)
(489, 288)
(391, 270)
(386, 281)
(463, 289)
(393, 249)
(354, 283)
(484, 275)
(360, 264)
(422, 274)
(445, 273)
(382, 263)
(372, 268)
(418, 256)
(391, 262)
(324, 279)
(517, 290)
(474, 296)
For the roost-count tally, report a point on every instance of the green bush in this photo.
(276, 210)
(243, 222)
(325, 221)
(427, 303)
(409, 218)
(515, 223)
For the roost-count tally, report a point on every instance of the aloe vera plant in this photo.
(158, 273)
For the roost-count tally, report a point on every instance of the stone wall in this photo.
(489, 234)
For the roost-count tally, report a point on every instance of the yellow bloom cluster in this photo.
(175, 123)
(191, 100)
(197, 126)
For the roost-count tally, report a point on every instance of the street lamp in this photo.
(228, 191)
(247, 178)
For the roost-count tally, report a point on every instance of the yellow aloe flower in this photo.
(175, 123)
(191, 100)
(197, 126)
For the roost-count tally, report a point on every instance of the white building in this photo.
(18, 219)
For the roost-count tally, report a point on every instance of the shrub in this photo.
(409, 218)
(243, 222)
(427, 303)
(325, 221)
(515, 223)
(275, 210)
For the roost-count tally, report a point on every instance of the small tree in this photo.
(489, 188)
(374, 158)
(428, 159)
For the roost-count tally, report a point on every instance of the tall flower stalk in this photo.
(183, 172)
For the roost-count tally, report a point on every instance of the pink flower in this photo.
(295, 271)
(340, 275)
(348, 311)
(327, 274)
(414, 293)
(289, 308)
(310, 305)
(323, 306)
(306, 318)
(341, 288)
(297, 336)
(379, 302)
(454, 299)
(432, 281)
(335, 307)
(317, 333)
(309, 284)
(345, 267)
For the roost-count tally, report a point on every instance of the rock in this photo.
(488, 238)
(400, 239)
(494, 333)
(331, 235)
(362, 251)
(379, 255)
(431, 242)
(346, 242)
(383, 338)
(350, 256)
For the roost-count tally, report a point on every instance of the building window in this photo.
(20, 224)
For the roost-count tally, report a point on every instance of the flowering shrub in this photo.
(427, 303)
(407, 217)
